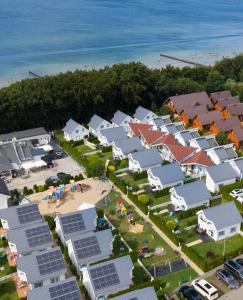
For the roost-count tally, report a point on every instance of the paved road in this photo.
(233, 295)
(7, 276)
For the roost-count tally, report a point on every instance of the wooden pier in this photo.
(182, 60)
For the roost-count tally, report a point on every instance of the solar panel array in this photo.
(231, 152)
(195, 134)
(87, 247)
(65, 291)
(38, 236)
(28, 213)
(180, 127)
(104, 276)
(72, 223)
(50, 262)
(212, 142)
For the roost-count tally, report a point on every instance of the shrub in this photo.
(111, 168)
(26, 190)
(77, 143)
(35, 188)
(134, 256)
(137, 176)
(51, 222)
(140, 205)
(170, 225)
(93, 139)
(41, 188)
(30, 192)
(95, 168)
(161, 193)
(124, 163)
(190, 212)
(143, 198)
(100, 213)
(106, 149)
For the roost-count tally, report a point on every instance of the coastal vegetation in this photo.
(51, 100)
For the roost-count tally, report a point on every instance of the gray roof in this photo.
(206, 143)
(141, 113)
(19, 238)
(223, 215)
(30, 266)
(225, 153)
(168, 173)
(221, 172)
(38, 152)
(5, 163)
(194, 192)
(239, 163)
(67, 288)
(188, 135)
(173, 127)
(114, 133)
(23, 134)
(10, 214)
(3, 188)
(102, 246)
(95, 122)
(123, 268)
(160, 121)
(119, 117)
(142, 294)
(71, 125)
(147, 158)
(129, 145)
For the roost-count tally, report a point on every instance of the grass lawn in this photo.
(59, 135)
(129, 180)
(82, 149)
(157, 201)
(217, 247)
(189, 235)
(7, 269)
(8, 290)
(100, 156)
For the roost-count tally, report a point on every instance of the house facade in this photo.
(121, 119)
(74, 131)
(143, 160)
(218, 126)
(236, 136)
(96, 124)
(221, 153)
(143, 115)
(122, 148)
(203, 121)
(109, 135)
(233, 110)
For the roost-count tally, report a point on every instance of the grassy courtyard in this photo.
(82, 149)
(100, 156)
(129, 180)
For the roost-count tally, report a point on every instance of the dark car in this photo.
(234, 268)
(189, 293)
(239, 261)
(227, 277)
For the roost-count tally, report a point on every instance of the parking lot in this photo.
(67, 165)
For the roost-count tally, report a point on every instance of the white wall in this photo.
(214, 187)
(59, 231)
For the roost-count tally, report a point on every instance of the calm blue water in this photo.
(48, 36)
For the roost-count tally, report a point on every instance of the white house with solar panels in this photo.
(26, 240)
(108, 277)
(97, 123)
(142, 294)
(143, 115)
(121, 148)
(73, 131)
(90, 247)
(107, 136)
(121, 119)
(158, 122)
(222, 153)
(183, 137)
(41, 268)
(77, 223)
(203, 142)
(66, 289)
(144, 160)
(173, 127)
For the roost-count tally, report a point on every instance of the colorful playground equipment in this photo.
(120, 208)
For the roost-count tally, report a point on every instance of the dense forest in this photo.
(51, 100)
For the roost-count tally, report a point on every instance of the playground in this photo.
(68, 198)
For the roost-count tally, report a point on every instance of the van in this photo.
(234, 268)
(205, 288)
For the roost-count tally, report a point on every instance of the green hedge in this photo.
(93, 139)
(161, 193)
(77, 143)
(190, 212)
(120, 183)
(106, 149)
(137, 176)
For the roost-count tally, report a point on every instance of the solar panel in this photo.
(28, 213)
(104, 276)
(72, 223)
(134, 298)
(180, 127)
(195, 134)
(50, 262)
(38, 236)
(231, 152)
(65, 291)
(87, 247)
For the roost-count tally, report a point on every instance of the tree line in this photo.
(51, 100)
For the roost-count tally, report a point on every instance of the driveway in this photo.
(233, 295)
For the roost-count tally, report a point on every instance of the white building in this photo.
(204, 142)
(237, 165)
(190, 195)
(220, 222)
(144, 160)
(73, 131)
(121, 119)
(97, 123)
(221, 153)
(108, 136)
(121, 148)
(173, 127)
(143, 115)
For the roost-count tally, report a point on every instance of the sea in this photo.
(51, 36)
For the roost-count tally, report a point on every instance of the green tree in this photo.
(96, 168)
(222, 138)
(143, 198)
(215, 82)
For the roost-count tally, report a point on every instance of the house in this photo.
(141, 294)
(237, 165)
(190, 195)
(183, 137)
(73, 224)
(178, 103)
(236, 136)
(233, 110)
(65, 289)
(158, 122)
(196, 164)
(221, 103)
(221, 221)
(173, 127)
(136, 128)
(204, 120)
(219, 95)
(144, 160)
(26, 240)
(220, 175)
(41, 268)
(224, 125)
(189, 113)
(20, 216)
(73, 131)
(151, 138)
(203, 142)
(37, 135)
(221, 153)
(107, 136)
(120, 119)
(176, 152)
(165, 176)
(143, 115)
(90, 247)
(97, 123)
(108, 277)
(121, 148)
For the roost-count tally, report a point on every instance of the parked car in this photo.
(205, 288)
(227, 277)
(239, 261)
(189, 293)
(234, 268)
(237, 192)
(240, 199)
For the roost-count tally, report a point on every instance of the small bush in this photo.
(41, 188)
(106, 149)
(142, 175)
(93, 139)
(77, 143)
(143, 198)
(26, 190)
(100, 213)
(51, 222)
(170, 225)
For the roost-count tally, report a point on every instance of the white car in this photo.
(240, 199)
(205, 288)
(237, 192)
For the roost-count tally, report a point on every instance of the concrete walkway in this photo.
(161, 234)
(194, 243)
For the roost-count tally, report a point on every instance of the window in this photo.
(102, 126)
(56, 279)
(38, 284)
(221, 233)
(77, 131)
(233, 229)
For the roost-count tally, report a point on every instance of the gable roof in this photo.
(227, 124)
(67, 288)
(151, 136)
(208, 117)
(206, 142)
(71, 125)
(138, 127)
(194, 192)
(239, 133)
(221, 172)
(114, 133)
(223, 215)
(191, 112)
(217, 95)
(141, 113)
(23, 134)
(119, 117)
(168, 173)
(141, 294)
(180, 152)
(223, 102)
(181, 102)
(160, 121)
(199, 158)
(129, 145)
(173, 127)
(167, 139)
(235, 109)
(238, 163)
(147, 157)
(96, 121)
(188, 134)
(224, 152)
